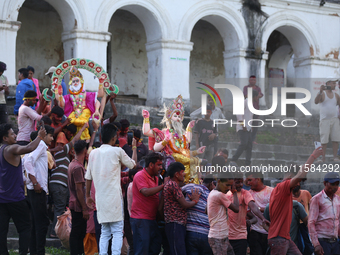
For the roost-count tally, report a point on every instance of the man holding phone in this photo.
(329, 121)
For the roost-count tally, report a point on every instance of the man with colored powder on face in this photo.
(323, 220)
(217, 206)
(237, 221)
(281, 208)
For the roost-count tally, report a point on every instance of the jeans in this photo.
(40, 221)
(330, 248)
(78, 232)
(3, 114)
(239, 246)
(258, 243)
(176, 236)
(246, 145)
(20, 213)
(116, 230)
(197, 244)
(60, 198)
(146, 237)
(282, 246)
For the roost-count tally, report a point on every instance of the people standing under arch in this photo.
(4, 91)
(35, 81)
(256, 101)
(24, 85)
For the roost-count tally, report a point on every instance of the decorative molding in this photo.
(299, 62)
(169, 44)
(10, 25)
(89, 35)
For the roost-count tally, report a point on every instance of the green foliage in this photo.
(56, 251)
(268, 138)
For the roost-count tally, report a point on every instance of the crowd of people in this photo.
(120, 191)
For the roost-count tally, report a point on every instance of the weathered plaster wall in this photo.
(39, 42)
(206, 61)
(129, 63)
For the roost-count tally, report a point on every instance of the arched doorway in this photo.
(206, 60)
(38, 41)
(127, 56)
(291, 44)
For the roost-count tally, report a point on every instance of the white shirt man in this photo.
(104, 169)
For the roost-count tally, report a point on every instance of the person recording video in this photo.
(329, 121)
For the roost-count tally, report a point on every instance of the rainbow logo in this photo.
(209, 93)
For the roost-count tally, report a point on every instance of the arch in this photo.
(155, 20)
(281, 57)
(228, 22)
(298, 33)
(69, 11)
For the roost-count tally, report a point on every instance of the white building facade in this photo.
(156, 50)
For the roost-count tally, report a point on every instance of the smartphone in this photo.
(328, 88)
(129, 137)
(317, 144)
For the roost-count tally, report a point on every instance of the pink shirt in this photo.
(129, 197)
(144, 207)
(261, 200)
(217, 205)
(26, 118)
(323, 219)
(237, 221)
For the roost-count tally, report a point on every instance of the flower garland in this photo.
(78, 104)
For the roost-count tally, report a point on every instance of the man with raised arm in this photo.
(12, 194)
(281, 208)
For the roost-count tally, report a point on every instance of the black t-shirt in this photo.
(204, 129)
(142, 151)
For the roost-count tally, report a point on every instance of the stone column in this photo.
(89, 45)
(169, 69)
(8, 33)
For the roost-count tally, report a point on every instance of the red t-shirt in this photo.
(144, 207)
(280, 209)
(76, 173)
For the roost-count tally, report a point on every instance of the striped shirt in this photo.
(59, 174)
(197, 219)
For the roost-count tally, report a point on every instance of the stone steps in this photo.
(13, 239)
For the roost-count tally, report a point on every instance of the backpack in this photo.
(303, 241)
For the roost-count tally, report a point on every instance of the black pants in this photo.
(20, 213)
(176, 237)
(245, 145)
(40, 221)
(3, 114)
(239, 246)
(258, 243)
(60, 198)
(78, 233)
(254, 129)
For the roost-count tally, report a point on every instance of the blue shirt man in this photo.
(24, 85)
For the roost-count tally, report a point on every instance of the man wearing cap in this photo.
(323, 220)
(63, 84)
(4, 90)
(329, 122)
